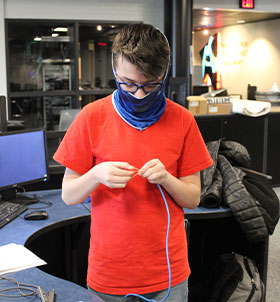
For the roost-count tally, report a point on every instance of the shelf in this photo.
(41, 93)
(96, 91)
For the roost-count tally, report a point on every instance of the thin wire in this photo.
(167, 255)
(40, 205)
(20, 287)
(86, 207)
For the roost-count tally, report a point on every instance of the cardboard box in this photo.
(197, 104)
(219, 109)
(219, 105)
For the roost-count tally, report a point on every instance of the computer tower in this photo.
(177, 90)
(3, 114)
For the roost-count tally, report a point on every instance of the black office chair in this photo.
(66, 118)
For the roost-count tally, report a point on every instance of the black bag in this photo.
(234, 278)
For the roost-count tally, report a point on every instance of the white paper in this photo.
(16, 257)
(250, 108)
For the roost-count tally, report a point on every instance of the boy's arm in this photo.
(76, 187)
(184, 190)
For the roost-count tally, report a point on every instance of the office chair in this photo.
(67, 116)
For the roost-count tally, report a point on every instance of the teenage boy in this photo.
(122, 150)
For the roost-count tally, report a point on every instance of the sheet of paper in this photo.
(16, 257)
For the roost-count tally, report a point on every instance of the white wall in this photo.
(3, 79)
(253, 58)
(260, 5)
(148, 11)
(128, 10)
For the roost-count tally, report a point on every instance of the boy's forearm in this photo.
(76, 188)
(185, 193)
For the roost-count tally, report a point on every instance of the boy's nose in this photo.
(140, 93)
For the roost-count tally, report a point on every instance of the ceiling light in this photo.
(61, 29)
(113, 26)
(55, 35)
(37, 38)
(240, 21)
(205, 32)
(99, 27)
(206, 21)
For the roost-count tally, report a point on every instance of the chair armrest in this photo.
(261, 176)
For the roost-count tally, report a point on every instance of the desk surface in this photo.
(21, 231)
(64, 290)
(207, 213)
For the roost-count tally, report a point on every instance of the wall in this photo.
(3, 78)
(253, 58)
(143, 10)
(122, 10)
(260, 5)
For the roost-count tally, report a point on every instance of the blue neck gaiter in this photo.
(140, 113)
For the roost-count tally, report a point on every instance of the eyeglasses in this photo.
(133, 87)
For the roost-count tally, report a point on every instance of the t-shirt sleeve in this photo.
(194, 156)
(74, 152)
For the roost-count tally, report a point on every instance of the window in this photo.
(54, 65)
(41, 57)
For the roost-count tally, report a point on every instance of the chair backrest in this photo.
(67, 116)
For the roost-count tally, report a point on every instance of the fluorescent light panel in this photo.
(61, 29)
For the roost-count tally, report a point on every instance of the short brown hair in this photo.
(144, 46)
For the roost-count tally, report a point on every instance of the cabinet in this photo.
(260, 135)
(210, 127)
(273, 147)
(247, 131)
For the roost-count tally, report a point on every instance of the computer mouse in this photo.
(36, 215)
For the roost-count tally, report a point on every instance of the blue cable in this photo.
(167, 254)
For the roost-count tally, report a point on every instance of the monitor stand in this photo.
(11, 195)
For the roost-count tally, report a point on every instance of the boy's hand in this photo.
(154, 171)
(114, 174)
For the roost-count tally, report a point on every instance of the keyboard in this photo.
(9, 211)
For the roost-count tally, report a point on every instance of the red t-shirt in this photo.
(128, 226)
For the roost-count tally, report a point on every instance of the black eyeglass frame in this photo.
(159, 84)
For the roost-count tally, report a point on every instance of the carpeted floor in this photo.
(273, 274)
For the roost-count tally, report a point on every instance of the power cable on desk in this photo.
(50, 296)
(31, 199)
(86, 207)
(20, 287)
(47, 204)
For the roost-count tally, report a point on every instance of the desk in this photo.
(25, 232)
(63, 239)
(64, 290)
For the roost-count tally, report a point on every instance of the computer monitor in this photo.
(23, 160)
